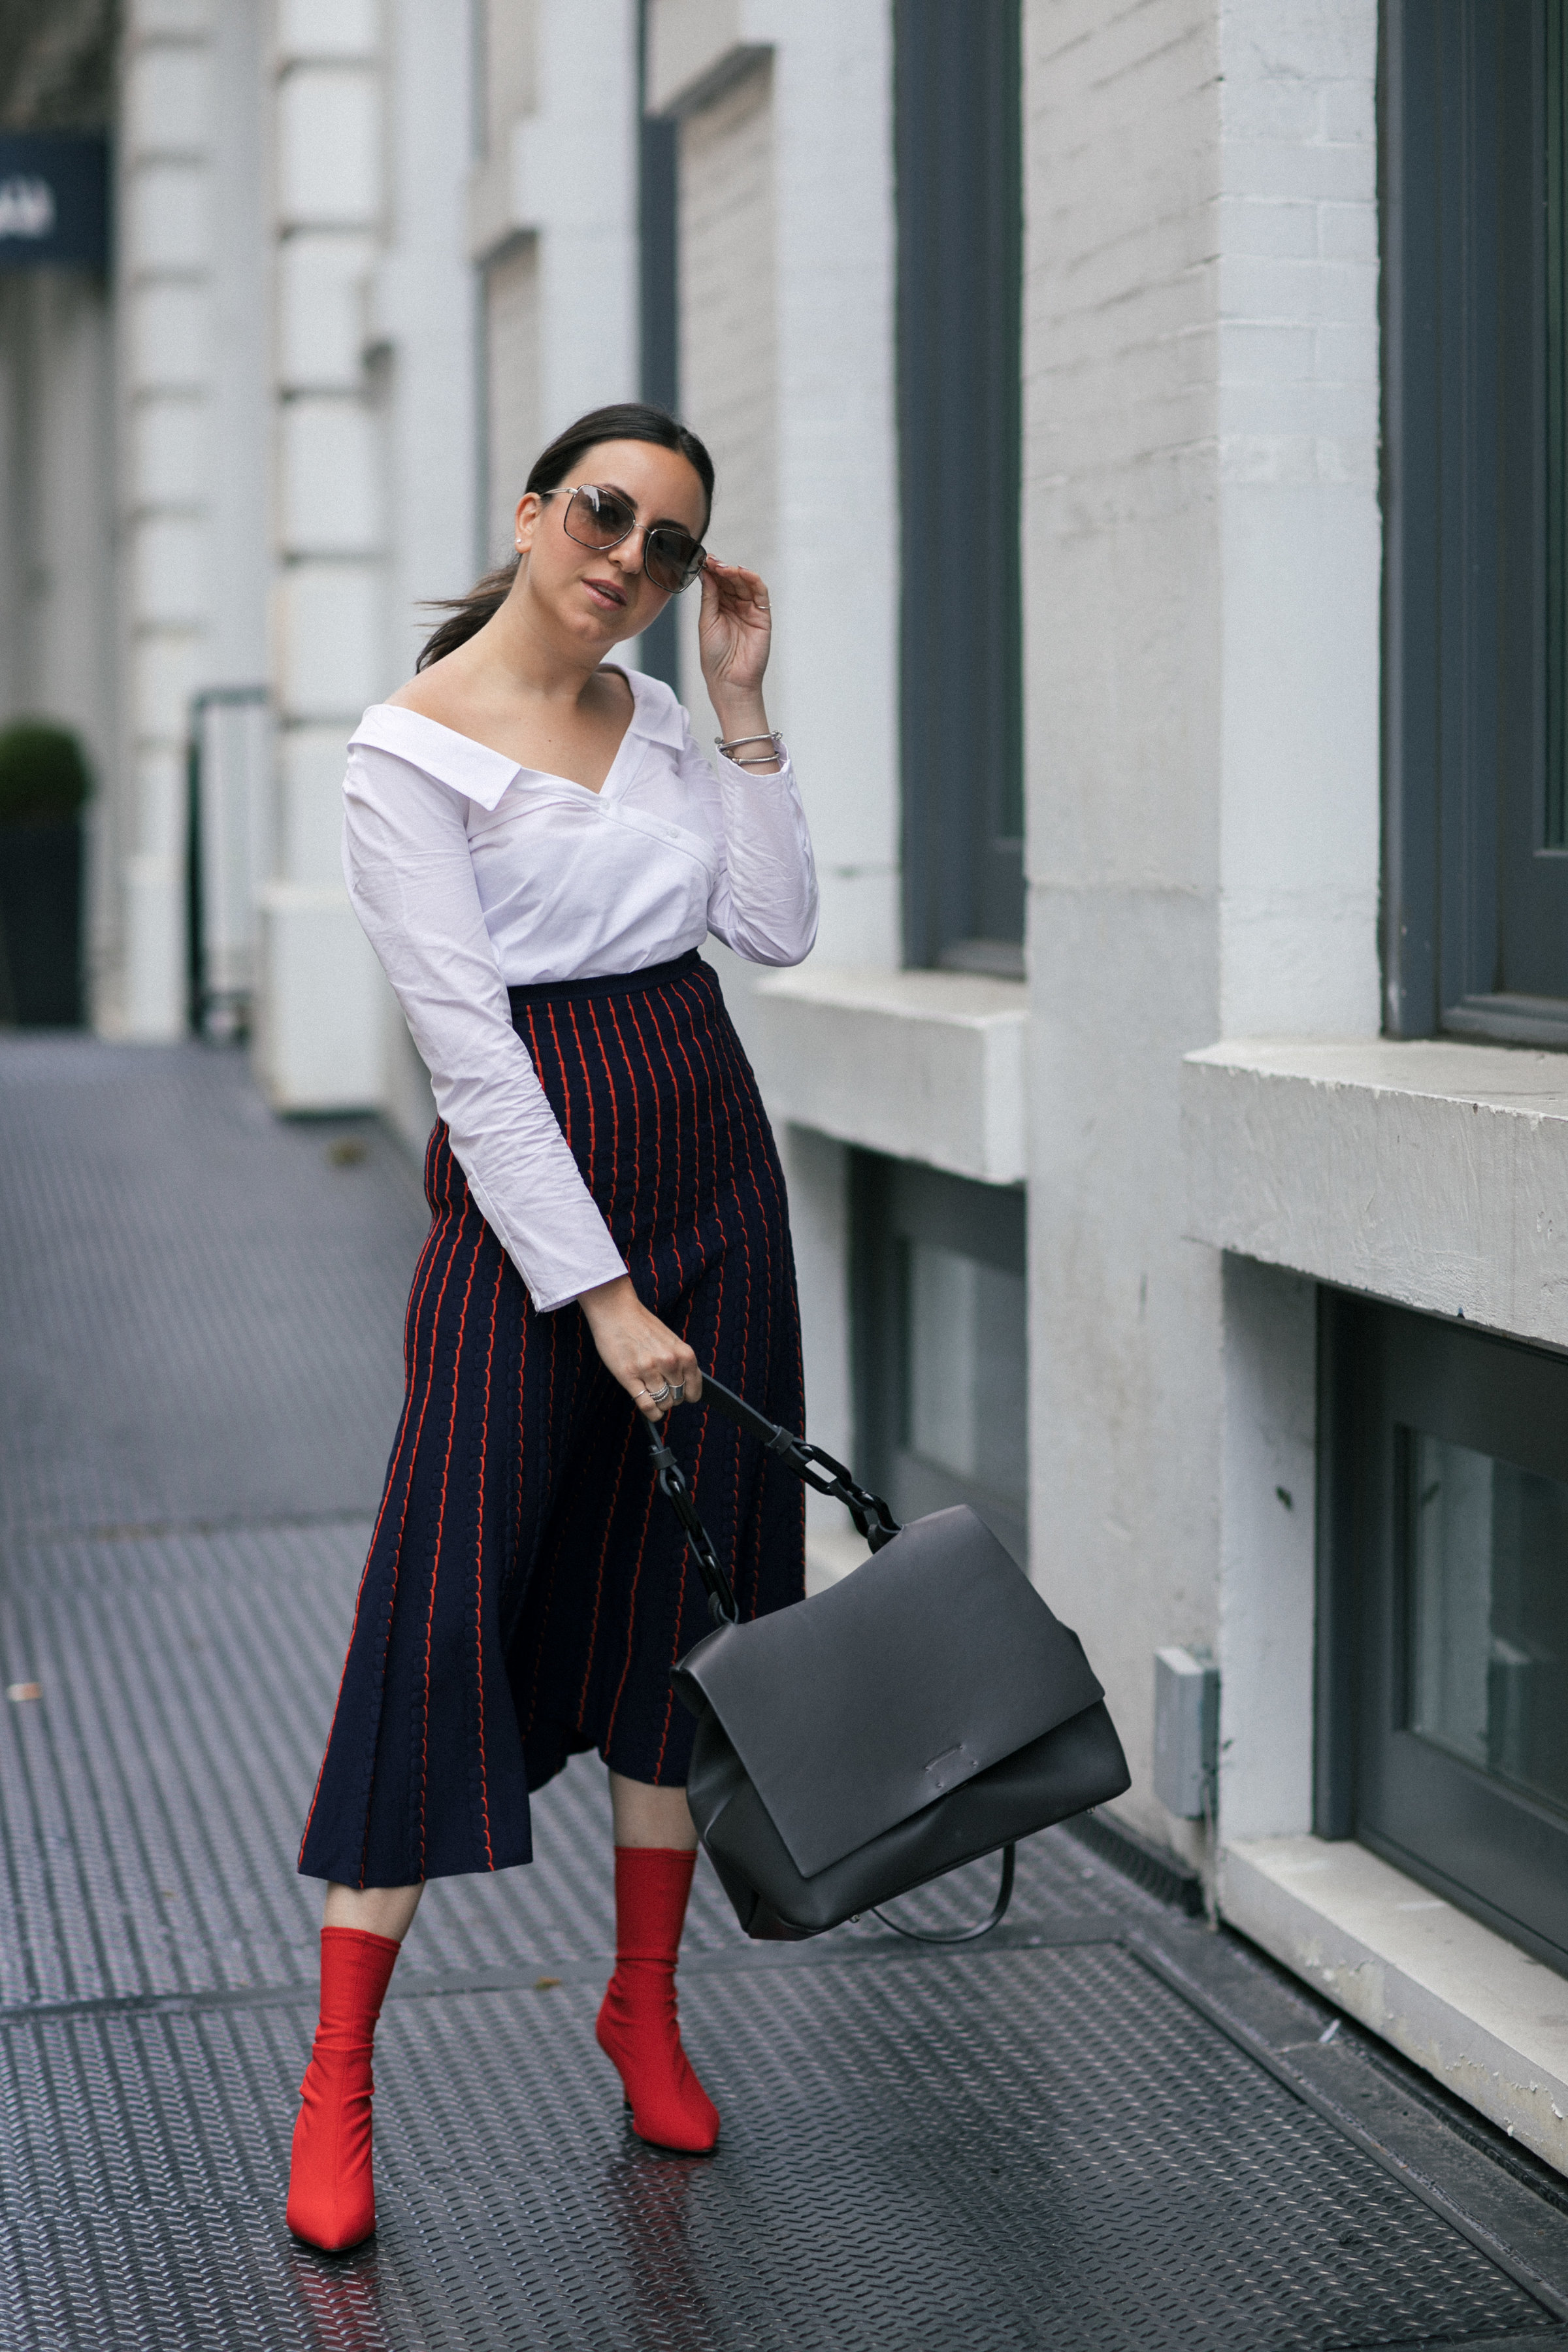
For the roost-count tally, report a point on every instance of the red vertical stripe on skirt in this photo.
(599, 1571)
(425, 1265)
(675, 1096)
(608, 1203)
(658, 1147)
(636, 1125)
(554, 1342)
(440, 1525)
(588, 1091)
(479, 1566)
(561, 1065)
(423, 1408)
(631, 1611)
(721, 1093)
(684, 1554)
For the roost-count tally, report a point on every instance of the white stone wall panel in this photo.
(168, 571)
(332, 663)
(330, 478)
(311, 761)
(328, 29)
(169, 452)
(729, 341)
(321, 279)
(513, 404)
(329, 148)
(169, 224)
(168, 100)
(168, 339)
(165, 672)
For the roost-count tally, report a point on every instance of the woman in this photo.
(536, 849)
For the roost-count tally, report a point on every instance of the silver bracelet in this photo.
(765, 759)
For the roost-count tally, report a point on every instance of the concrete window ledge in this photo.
(1489, 2023)
(1432, 1173)
(922, 1065)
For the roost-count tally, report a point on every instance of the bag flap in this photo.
(858, 1708)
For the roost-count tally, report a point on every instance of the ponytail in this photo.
(466, 614)
(627, 420)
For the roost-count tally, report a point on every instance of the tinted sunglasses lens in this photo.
(673, 558)
(598, 518)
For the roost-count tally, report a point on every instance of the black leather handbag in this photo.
(925, 1711)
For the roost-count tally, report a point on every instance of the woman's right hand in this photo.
(639, 1351)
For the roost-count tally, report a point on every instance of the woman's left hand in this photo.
(733, 631)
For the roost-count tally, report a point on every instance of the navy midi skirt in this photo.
(528, 1589)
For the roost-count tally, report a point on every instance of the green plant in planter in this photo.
(44, 782)
(44, 778)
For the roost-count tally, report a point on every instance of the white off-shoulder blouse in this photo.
(471, 874)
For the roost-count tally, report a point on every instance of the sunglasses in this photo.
(600, 517)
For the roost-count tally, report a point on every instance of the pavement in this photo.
(1105, 2125)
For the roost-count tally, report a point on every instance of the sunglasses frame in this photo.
(570, 491)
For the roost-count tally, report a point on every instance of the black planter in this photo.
(40, 924)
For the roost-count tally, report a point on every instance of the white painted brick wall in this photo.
(729, 342)
(512, 397)
(330, 478)
(1202, 566)
(167, 103)
(321, 278)
(329, 147)
(328, 28)
(165, 202)
(1300, 537)
(509, 65)
(168, 449)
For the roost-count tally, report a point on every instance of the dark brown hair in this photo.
(627, 420)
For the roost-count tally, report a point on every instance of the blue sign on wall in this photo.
(54, 201)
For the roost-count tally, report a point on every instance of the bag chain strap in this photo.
(873, 1520)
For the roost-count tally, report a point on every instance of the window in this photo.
(958, 139)
(1476, 400)
(1443, 1640)
(941, 1362)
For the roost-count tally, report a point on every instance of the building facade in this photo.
(1152, 426)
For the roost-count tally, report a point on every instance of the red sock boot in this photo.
(638, 2024)
(331, 2189)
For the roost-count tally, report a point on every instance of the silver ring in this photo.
(678, 1391)
(660, 1395)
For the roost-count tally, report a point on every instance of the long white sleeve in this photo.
(411, 877)
(763, 903)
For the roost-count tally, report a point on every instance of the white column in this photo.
(192, 284)
(425, 337)
(166, 201)
(319, 1030)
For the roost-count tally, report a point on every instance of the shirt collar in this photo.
(483, 775)
(470, 768)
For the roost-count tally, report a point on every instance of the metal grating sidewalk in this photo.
(1104, 2127)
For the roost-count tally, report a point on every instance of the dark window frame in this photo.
(1492, 1852)
(1475, 930)
(958, 139)
(892, 1201)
